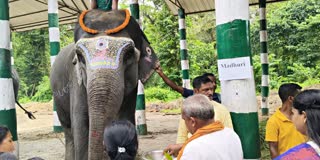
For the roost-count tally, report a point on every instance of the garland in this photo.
(109, 31)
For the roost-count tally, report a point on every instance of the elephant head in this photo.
(109, 67)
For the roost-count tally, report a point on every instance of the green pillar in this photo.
(183, 49)
(7, 102)
(54, 38)
(236, 72)
(140, 104)
(264, 58)
(140, 111)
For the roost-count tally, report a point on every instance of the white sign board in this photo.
(234, 68)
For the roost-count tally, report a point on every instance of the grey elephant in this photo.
(94, 80)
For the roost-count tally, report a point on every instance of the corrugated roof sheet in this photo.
(197, 6)
(32, 14)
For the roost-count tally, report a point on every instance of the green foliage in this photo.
(264, 147)
(44, 93)
(160, 94)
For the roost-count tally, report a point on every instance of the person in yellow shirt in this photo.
(201, 85)
(281, 133)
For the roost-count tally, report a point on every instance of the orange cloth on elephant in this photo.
(213, 127)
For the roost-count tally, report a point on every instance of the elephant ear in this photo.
(147, 61)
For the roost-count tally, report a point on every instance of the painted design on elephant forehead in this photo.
(103, 53)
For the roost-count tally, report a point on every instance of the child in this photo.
(104, 4)
(6, 142)
(121, 141)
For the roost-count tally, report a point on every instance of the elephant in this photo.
(94, 80)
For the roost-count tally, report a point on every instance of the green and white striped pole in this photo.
(54, 38)
(140, 104)
(11, 52)
(7, 102)
(238, 95)
(140, 111)
(183, 49)
(264, 58)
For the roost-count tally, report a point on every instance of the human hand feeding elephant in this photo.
(94, 80)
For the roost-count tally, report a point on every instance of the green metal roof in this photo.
(198, 6)
(32, 14)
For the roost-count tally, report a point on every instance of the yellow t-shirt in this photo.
(220, 113)
(280, 129)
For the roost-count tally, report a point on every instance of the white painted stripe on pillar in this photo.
(263, 36)
(265, 80)
(56, 121)
(262, 13)
(232, 10)
(264, 58)
(12, 61)
(186, 83)
(239, 90)
(5, 34)
(54, 34)
(11, 45)
(133, 1)
(182, 24)
(184, 64)
(140, 88)
(264, 104)
(183, 44)
(52, 59)
(7, 94)
(140, 117)
(16, 148)
(52, 6)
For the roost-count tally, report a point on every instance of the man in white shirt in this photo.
(210, 139)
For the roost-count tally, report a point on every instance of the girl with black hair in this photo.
(6, 142)
(121, 141)
(306, 118)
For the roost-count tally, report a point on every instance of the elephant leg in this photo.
(80, 123)
(69, 155)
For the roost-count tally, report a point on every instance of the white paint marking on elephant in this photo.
(265, 80)
(232, 10)
(264, 58)
(263, 36)
(54, 34)
(140, 117)
(12, 61)
(133, 1)
(5, 34)
(186, 83)
(56, 121)
(183, 44)
(184, 64)
(52, 6)
(52, 59)
(140, 88)
(7, 94)
(262, 13)
(182, 24)
(11, 45)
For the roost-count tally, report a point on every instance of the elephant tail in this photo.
(30, 115)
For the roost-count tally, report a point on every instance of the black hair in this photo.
(8, 156)
(198, 81)
(3, 133)
(36, 158)
(208, 74)
(288, 89)
(308, 101)
(121, 140)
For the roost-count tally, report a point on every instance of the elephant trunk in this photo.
(105, 94)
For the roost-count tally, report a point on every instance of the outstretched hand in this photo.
(157, 68)
(173, 149)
